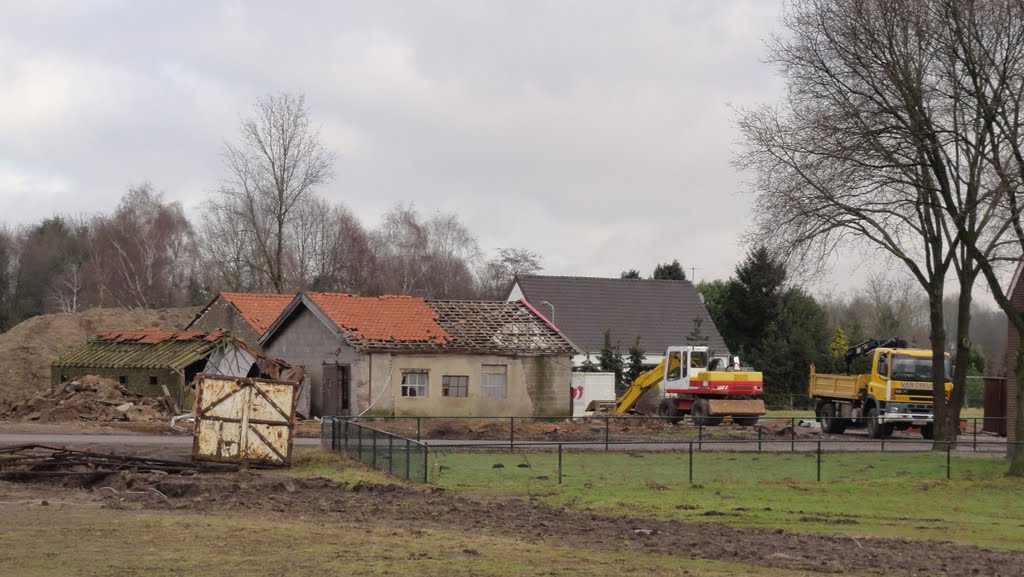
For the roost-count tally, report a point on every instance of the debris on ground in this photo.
(40, 462)
(91, 398)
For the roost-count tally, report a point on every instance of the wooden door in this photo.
(335, 391)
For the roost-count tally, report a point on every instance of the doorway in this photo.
(335, 392)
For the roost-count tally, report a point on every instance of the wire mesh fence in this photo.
(769, 433)
(392, 454)
(532, 466)
(652, 451)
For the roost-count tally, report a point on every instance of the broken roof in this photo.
(145, 348)
(660, 312)
(413, 324)
(258, 310)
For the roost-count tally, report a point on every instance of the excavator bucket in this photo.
(725, 407)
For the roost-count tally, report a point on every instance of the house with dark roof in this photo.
(403, 355)
(148, 360)
(661, 312)
(245, 315)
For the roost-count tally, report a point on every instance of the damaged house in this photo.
(245, 315)
(402, 355)
(157, 362)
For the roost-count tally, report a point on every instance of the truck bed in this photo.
(837, 386)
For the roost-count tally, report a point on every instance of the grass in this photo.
(890, 494)
(44, 541)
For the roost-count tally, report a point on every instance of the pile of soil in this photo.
(90, 398)
(28, 349)
(399, 506)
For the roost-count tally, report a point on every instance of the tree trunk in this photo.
(947, 431)
(943, 434)
(1017, 450)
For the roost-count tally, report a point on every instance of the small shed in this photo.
(148, 361)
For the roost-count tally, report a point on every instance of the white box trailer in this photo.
(587, 387)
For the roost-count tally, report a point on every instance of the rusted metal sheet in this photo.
(736, 407)
(244, 420)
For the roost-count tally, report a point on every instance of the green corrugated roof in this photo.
(110, 353)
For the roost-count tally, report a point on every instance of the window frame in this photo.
(406, 388)
(461, 386)
(489, 390)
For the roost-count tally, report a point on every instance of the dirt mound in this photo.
(90, 398)
(28, 349)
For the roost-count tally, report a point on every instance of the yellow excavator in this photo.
(700, 386)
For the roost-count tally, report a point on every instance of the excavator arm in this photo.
(640, 386)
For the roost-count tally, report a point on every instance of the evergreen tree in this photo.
(696, 335)
(753, 300)
(835, 356)
(611, 359)
(635, 366)
(669, 271)
(588, 366)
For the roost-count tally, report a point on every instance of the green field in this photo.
(881, 494)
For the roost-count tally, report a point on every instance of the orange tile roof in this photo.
(386, 318)
(258, 310)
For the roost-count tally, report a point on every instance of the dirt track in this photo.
(403, 508)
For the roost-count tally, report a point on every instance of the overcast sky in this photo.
(598, 134)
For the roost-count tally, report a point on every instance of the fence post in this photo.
(700, 436)
(334, 435)
(948, 445)
(360, 450)
(391, 454)
(559, 463)
(792, 434)
(408, 460)
(426, 463)
(607, 420)
(759, 439)
(975, 434)
(418, 429)
(511, 433)
(691, 462)
(819, 461)
(373, 458)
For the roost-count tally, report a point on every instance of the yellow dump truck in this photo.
(895, 395)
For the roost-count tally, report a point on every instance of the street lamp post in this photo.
(552, 310)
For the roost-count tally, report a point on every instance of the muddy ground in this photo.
(411, 509)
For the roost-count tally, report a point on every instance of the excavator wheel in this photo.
(668, 409)
(700, 416)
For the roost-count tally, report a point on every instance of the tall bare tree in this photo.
(872, 148)
(277, 162)
(141, 254)
(495, 276)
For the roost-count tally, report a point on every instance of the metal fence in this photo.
(778, 433)
(422, 449)
(658, 466)
(392, 454)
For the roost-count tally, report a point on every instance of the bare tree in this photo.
(495, 276)
(873, 147)
(329, 248)
(142, 253)
(278, 162)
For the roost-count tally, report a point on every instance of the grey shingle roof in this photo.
(661, 312)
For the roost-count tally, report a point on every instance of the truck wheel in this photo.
(877, 429)
(830, 424)
(667, 408)
(700, 416)
(928, 431)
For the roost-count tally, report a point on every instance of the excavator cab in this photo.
(681, 364)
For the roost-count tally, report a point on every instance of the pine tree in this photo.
(611, 359)
(669, 271)
(588, 366)
(635, 366)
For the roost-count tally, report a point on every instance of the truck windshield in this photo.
(907, 368)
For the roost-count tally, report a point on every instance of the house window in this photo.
(153, 380)
(123, 380)
(454, 386)
(492, 381)
(414, 384)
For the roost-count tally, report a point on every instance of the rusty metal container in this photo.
(995, 406)
(243, 420)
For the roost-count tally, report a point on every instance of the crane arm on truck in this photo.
(865, 347)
